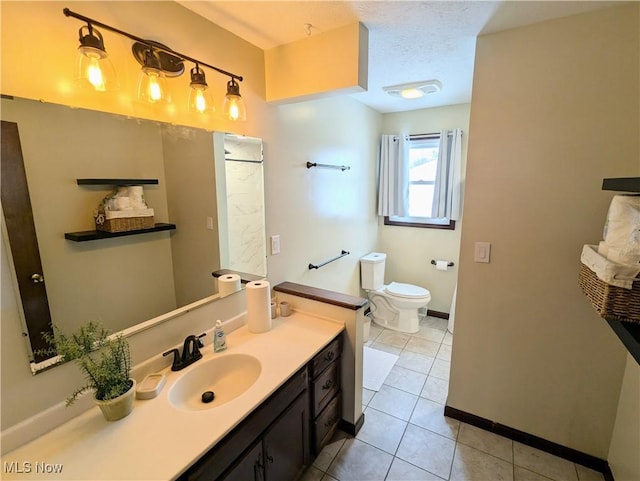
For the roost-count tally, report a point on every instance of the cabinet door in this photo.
(249, 467)
(286, 443)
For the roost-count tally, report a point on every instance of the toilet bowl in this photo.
(394, 305)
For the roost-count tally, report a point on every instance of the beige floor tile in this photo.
(448, 339)
(359, 461)
(544, 463)
(435, 322)
(430, 334)
(329, 452)
(422, 346)
(367, 395)
(381, 346)
(586, 474)
(427, 450)
(381, 430)
(440, 369)
(430, 415)
(403, 471)
(435, 389)
(394, 401)
(393, 338)
(312, 474)
(486, 441)
(472, 465)
(406, 380)
(522, 474)
(444, 352)
(415, 362)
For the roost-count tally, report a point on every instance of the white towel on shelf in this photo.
(607, 271)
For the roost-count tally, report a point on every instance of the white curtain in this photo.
(447, 200)
(393, 176)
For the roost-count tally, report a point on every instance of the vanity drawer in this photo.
(326, 357)
(326, 424)
(325, 386)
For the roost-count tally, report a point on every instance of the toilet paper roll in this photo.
(442, 265)
(228, 284)
(258, 306)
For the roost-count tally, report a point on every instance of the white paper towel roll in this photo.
(258, 306)
(442, 265)
(228, 284)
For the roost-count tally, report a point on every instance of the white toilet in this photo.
(393, 306)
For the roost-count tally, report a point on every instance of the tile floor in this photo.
(406, 436)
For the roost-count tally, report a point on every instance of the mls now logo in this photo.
(26, 467)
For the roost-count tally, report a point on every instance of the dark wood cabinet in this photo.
(277, 440)
(326, 400)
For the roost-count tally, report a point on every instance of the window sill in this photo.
(450, 225)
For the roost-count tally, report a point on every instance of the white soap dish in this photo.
(150, 386)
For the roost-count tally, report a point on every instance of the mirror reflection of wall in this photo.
(128, 280)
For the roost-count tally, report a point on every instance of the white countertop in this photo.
(158, 441)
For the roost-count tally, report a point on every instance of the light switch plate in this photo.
(275, 245)
(482, 252)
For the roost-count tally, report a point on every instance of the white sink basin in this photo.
(228, 376)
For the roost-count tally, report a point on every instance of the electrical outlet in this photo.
(275, 245)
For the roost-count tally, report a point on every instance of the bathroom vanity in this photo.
(275, 426)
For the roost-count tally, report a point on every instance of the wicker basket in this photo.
(611, 301)
(124, 224)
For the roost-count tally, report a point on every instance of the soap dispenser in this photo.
(219, 339)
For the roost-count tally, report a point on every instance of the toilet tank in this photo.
(372, 271)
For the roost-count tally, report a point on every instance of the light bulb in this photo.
(152, 86)
(200, 100)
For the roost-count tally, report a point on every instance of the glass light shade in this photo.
(152, 86)
(233, 106)
(95, 69)
(200, 100)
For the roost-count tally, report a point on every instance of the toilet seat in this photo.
(407, 291)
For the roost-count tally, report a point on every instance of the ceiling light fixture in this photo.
(158, 62)
(414, 90)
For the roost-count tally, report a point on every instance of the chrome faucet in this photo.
(190, 352)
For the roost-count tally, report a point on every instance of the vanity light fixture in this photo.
(158, 62)
(94, 67)
(414, 90)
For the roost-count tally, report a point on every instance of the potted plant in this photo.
(106, 363)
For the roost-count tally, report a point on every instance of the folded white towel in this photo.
(610, 272)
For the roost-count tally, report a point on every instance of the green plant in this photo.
(105, 360)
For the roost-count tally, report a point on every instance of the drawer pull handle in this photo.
(327, 385)
(330, 422)
(330, 355)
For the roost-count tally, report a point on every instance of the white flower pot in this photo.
(120, 407)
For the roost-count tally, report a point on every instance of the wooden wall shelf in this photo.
(622, 184)
(116, 181)
(91, 235)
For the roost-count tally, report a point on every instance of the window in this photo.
(423, 161)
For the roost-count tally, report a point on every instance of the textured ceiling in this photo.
(409, 41)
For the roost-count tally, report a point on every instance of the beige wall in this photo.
(318, 212)
(555, 109)
(410, 249)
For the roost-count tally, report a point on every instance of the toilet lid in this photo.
(406, 290)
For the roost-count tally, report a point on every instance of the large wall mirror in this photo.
(209, 184)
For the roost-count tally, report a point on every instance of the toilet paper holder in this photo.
(449, 264)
